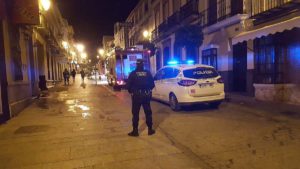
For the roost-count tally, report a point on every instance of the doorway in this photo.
(41, 59)
(32, 66)
(166, 55)
(240, 67)
(212, 12)
(4, 105)
(158, 60)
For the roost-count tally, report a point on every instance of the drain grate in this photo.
(32, 129)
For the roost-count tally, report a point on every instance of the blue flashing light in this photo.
(173, 62)
(190, 62)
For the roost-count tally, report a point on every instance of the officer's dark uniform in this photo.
(140, 84)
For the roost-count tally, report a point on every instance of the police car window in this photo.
(171, 73)
(200, 73)
(158, 75)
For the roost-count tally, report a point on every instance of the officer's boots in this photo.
(151, 131)
(134, 133)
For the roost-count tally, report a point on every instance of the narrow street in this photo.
(86, 126)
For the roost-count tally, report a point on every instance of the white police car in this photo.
(188, 84)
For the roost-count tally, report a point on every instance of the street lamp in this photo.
(146, 34)
(80, 47)
(65, 44)
(101, 52)
(83, 55)
(46, 4)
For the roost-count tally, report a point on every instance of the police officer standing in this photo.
(140, 84)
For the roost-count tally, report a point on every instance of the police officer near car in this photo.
(140, 84)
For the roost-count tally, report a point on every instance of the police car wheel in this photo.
(174, 103)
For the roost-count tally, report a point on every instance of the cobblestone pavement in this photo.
(86, 126)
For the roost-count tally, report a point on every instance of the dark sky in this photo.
(92, 19)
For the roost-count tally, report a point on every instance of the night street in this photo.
(149, 84)
(78, 127)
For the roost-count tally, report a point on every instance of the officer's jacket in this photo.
(140, 80)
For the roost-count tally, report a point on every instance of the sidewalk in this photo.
(84, 127)
(272, 107)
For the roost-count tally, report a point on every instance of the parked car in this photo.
(188, 84)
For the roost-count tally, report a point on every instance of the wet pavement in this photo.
(86, 126)
(83, 126)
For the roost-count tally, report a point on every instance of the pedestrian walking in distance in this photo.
(66, 75)
(140, 84)
(73, 73)
(82, 75)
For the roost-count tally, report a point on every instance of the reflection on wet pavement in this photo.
(86, 115)
(42, 103)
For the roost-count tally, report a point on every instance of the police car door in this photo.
(156, 93)
(167, 82)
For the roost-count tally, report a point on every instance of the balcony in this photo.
(263, 11)
(167, 27)
(187, 14)
(222, 14)
(189, 11)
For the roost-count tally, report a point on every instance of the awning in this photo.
(267, 30)
(216, 39)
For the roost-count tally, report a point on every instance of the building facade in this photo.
(245, 40)
(270, 43)
(30, 49)
(121, 31)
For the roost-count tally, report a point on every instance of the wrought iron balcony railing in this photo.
(187, 12)
(265, 10)
(222, 10)
(260, 6)
(190, 9)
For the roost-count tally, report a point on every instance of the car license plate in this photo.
(204, 85)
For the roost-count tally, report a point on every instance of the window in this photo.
(170, 73)
(16, 53)
(277, 58)
(159, 75)
(259, 6)
(176, 5)
(209, 57)
(146, 8)
(222, 9)
(165, 10)
(157, 16)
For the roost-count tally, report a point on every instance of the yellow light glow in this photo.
(73, 53)
(80, 47)
(65, 44)
(146, 34)
(101, 52)
(83, 55)
(46, 4)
